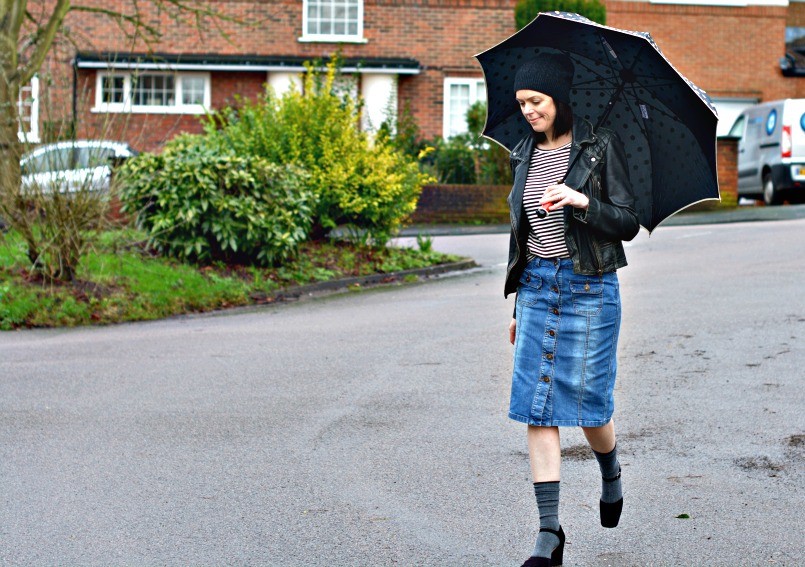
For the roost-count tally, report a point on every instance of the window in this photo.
(181, 93)
(193, 90)
(728, 111)
(332, 20)
(28, 112)
(113, 89)
(459, 95)
(153, 90)
(92, 157)
(53, 159)
(737, 129)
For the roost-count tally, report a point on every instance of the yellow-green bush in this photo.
(366, 186)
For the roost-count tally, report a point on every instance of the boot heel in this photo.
(558, 553)
(611, 511)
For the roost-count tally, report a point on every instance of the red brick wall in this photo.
(727, 51)
(796, 14)
(727, 157)
(442, 35)
(463, 203)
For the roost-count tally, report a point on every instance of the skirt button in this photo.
(546, 379)
(555, 311)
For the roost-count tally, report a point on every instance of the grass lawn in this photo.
(119, 280)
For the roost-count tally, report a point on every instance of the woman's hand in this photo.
(557, 196)
(512, 330)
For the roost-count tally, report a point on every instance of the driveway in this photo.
(370, 428)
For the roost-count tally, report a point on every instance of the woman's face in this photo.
(539, 109)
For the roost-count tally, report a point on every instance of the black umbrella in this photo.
(622, 81)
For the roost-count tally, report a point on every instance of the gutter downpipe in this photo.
(75, 98)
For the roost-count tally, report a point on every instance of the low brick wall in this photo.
(463, 204)
(727, 163)
(487, 203)
(728, 170)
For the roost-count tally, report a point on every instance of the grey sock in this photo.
(611, 490)
(547, 494)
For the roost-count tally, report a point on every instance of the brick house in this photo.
(398, 54)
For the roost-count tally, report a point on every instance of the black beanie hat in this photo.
(549, 73)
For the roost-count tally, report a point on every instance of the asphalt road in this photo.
(370, 428)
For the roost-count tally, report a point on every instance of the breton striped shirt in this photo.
(546, 238)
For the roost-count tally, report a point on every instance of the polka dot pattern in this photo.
(622, 82)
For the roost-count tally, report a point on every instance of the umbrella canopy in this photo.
(623, 82)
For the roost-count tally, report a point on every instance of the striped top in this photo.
(546, 238)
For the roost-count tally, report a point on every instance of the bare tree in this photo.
(28, 32)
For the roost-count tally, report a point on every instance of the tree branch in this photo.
(43, 40)
(150, 33)
(13, 12)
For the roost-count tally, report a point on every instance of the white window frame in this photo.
(332, 38)
(477, 92)
(32, 135)
(127, 106)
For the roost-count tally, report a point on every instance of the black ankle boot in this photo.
(611, 511)
(556, 555)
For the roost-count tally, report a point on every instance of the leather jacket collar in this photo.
(598, 169)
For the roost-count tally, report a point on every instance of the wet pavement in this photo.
(370, 428)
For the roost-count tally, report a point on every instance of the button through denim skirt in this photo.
(565, 346)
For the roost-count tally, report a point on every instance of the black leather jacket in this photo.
(594, 236)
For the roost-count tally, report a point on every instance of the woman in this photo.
(562, 266)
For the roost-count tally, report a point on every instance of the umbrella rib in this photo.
(658, 109)
(592, 81)
(671, 84)
(613, 78)
(609, 54)
(638, 119)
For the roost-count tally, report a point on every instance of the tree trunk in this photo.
(12, 205)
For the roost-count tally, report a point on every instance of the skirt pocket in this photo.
(588, 296)
(528, 291)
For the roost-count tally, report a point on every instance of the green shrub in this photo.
(454, 160)
(492, 160)
(363, 185)
(204, 204)
(402, 132)
(527, 10)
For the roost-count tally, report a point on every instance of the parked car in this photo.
(73, 165)
(771, 151)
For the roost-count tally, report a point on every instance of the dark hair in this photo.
(562, 124)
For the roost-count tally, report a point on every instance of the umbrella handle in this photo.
(542, 212)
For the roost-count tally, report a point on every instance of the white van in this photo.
(771, 150)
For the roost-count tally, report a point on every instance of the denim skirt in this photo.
(565, 346)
